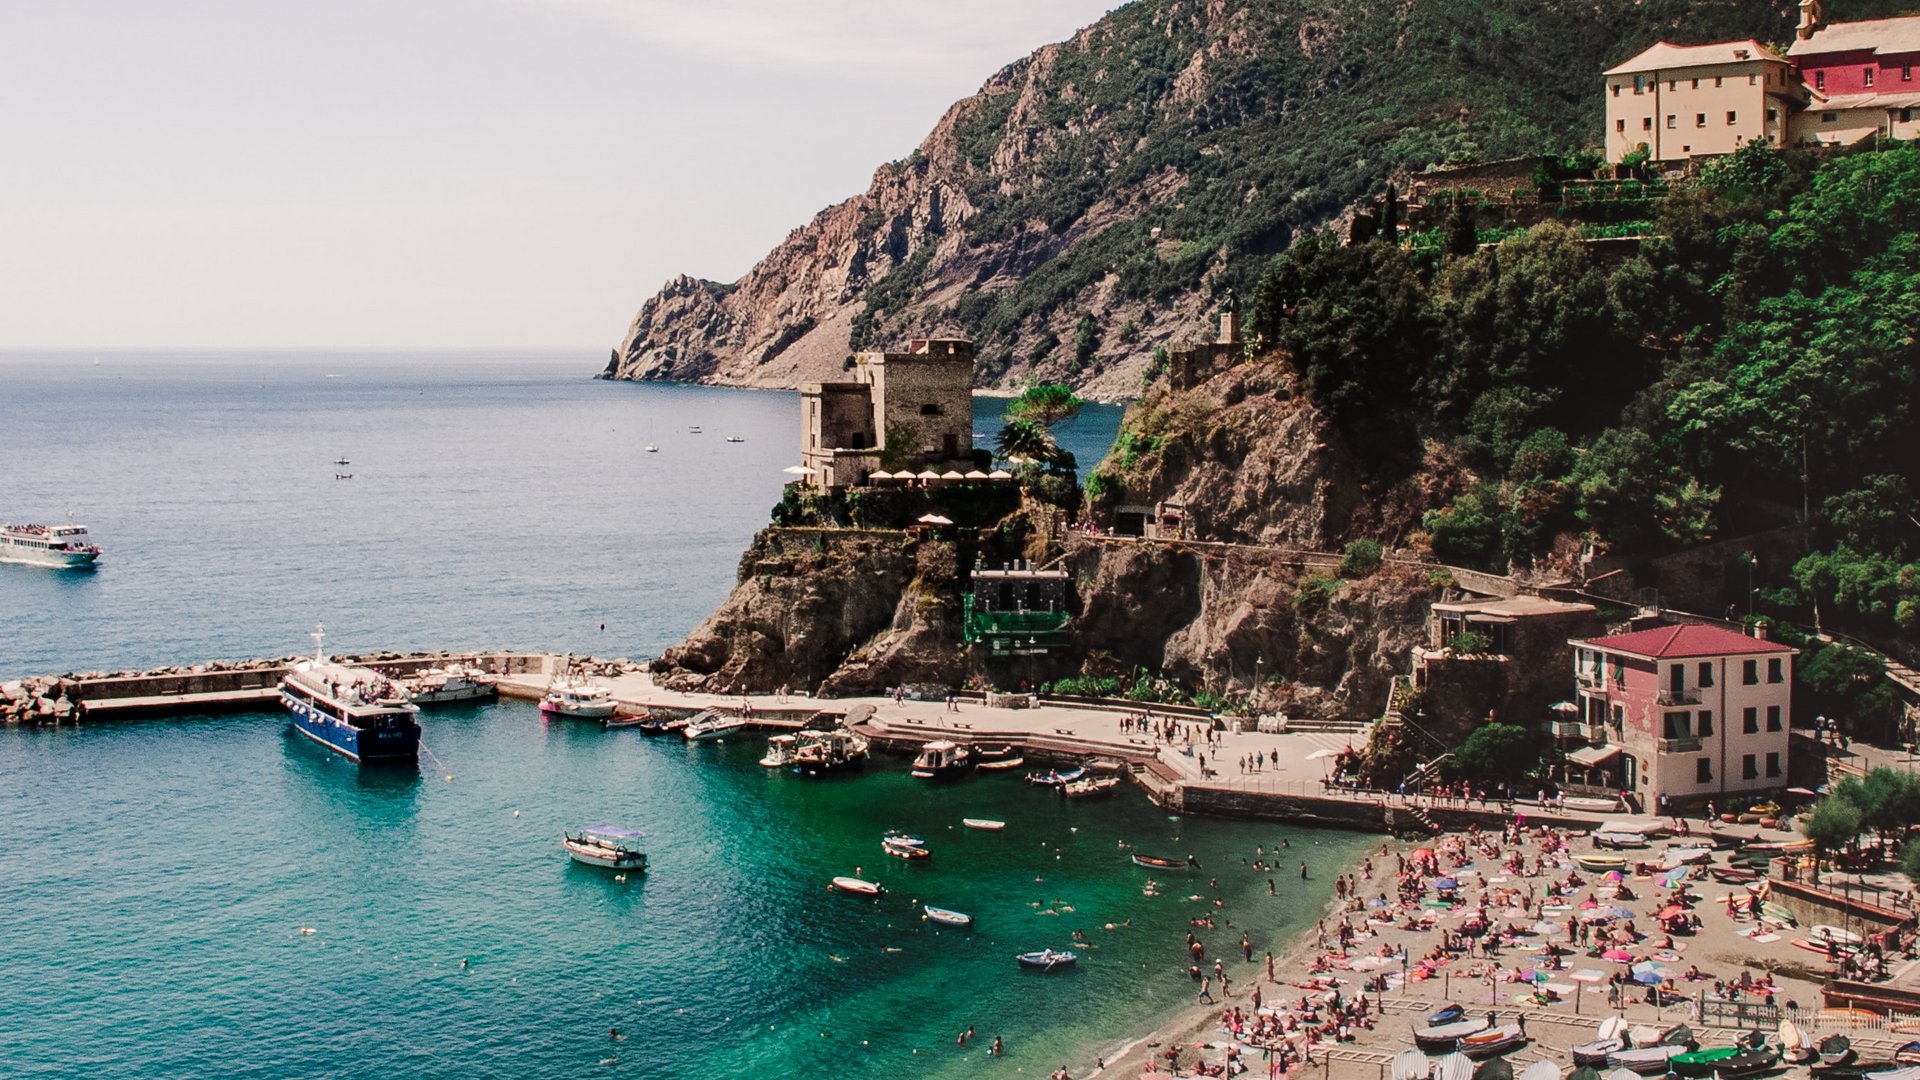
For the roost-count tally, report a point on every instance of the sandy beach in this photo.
(1517, 889)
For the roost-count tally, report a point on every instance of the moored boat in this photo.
(1055, 778)
(577, 696)
(1154, 862)
(908, 852)
(779, 752)
(1089, 786)
(946, 917)
(62, 547)
(1777, 914)
(1002, 764)
(352, 711)
(713, 724)
(819, 752)
(942, 759)
(660, 725)
(445, 686)
(616, 722)
(1596, 1051)
(608, 846)
(858, 886)
(987, 824)
(1048, 959)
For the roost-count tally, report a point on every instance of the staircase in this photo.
(1335, 727)
(1424, 772)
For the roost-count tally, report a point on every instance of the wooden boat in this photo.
(1154, 862)
(1773, 912)
(988, 824)
(1611, 1037)
(942, 759)
(1411, 1064)
(996, 766)
(949, 918)
(1908, 1054)
(1733, 875)
(909, 852)
(1750, 1061)
(1048, 959)
(1090, 786)
(779, 752)
(1445, 1015)
(1493, 1040)
(1441, 1037)
(1594, 863)
(1836, 1050)
(1702, 1062)
(1055, 778)
(1650, 1060)
(1493, 1069)
(1906, 1072)
(617, 722)
(659, 725)
(858, 887)
(1794, 1046)
(608, 846)
(895, 836)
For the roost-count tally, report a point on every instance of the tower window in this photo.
(1819, 80)
(1866, 76)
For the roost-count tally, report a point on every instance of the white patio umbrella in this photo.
(934, 519)
(800, 470)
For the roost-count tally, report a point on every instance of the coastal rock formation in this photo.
(1094, 200)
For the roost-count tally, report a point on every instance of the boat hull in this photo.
(582, 711)
(949, 918)
(588, 857)
(56, 560)
(400, 743)
(451, 695)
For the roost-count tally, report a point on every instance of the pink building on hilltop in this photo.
(1861, 74)
(1687, 712)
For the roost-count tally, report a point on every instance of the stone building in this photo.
(1513, 672)
(912, 410)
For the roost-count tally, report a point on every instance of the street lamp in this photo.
(1752, 561)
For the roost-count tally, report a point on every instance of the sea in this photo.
(214, 896)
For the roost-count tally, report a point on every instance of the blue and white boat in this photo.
(607, 845)
(353, 711)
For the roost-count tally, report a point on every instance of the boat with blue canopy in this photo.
(609, 846)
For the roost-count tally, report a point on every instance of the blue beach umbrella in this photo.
(1647, 973)
(1445, 883)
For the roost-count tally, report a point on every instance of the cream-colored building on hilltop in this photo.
(1682, 101)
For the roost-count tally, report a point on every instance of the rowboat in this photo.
(1154, 862)
(1599, 864)
(1447, 1014)
(1491, 1041)
(909, 852)
(949, 918)
(996, 766)
(1047, 959)
(1055, 778)
(1610, 1039)
(857, 886)
(1446, 1036)
(1089, 786)
(983, 823)
(616, 721)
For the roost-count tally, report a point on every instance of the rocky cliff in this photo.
(1091, 201)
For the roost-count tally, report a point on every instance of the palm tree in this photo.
(1028, 441)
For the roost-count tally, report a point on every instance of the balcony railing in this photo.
(1590, 680)
(1685, 745)
(1671, 696)
(1568, 729)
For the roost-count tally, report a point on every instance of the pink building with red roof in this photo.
(1688, 712)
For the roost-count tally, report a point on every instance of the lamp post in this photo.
(1752, 561)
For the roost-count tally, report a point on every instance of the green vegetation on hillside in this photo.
(1751, 366)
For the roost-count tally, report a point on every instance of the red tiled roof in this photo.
(1688, 639)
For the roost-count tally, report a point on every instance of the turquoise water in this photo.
(159, 876)
(155, 878)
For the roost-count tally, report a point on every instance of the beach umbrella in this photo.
(1673, 877)
(1622, 912)
(1648, 973)
(799, 470)
(1670, 911)
(976, 474)
(928, 475)
(1589, 975)
(1547, 926)
(1445, 883)
(1615, 875)
(999, 474)
(1618, 956)
(1318, 754)
(934, 519)
(953, 474)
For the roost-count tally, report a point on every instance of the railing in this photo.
(1683, 745)
(1568, 728)
(1671, 696)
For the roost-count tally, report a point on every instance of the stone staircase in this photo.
(1334, 727)
(1425, 772)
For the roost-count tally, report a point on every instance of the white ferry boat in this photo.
(577, 696)
(442, 686)
(350, 710)
(62, 546)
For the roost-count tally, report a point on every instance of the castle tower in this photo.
(1812, 18)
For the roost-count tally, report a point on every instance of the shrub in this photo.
(1360, 559)
(1469, 643)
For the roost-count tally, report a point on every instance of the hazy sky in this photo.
(443, 172)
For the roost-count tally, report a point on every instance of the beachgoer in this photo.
(1303, 871)
(998, 1048)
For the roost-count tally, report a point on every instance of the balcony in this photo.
(1680, 697)
(1590, 680)
(1567, 729)
(1686, 745)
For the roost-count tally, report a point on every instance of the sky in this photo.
(443, 173)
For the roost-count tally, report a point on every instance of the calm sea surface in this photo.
(212, 896)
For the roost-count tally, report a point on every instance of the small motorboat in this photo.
(608, 846)
(341, 461)
(909, 852)
(1089, 786)
(735, 438)
(949, 918)
(987, 824)
(1154, 862)
(1411, 1064)
(942, 759)
(1048, 959)
(1443, 1037)
(616, 721)
(1055, 778)
(713, 724)
(651, 448)
(1492, 1040)
(779, 752)
(895, 836)
(694, 429)
(858, 886)
(1445, 1015)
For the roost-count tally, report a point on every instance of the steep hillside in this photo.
(1094, 199)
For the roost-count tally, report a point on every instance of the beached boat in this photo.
(1619, 840)
(1594, 863)
(713, 724)
(779, 752)
(62, 547)
(1597, 1051)
(1907, 1072)
(609, 846)
(1447, 1014)
(352, 711)
(1824, 932)
(1835, 1051)
(821, 752)
(577, 696)
(1733, 875)
(1048, 959)
(735, 438)
(1055, 778)
(1490, 1041)
(1908, 1054)
(1088, 786)
(987, 824)
(858, 886)
(942, 759)
(1656, 1058)
(1154, 862)
(1795, 1047)
(445, 686)
(1777, 914)
(1684, 855)
(949, 918)
(1442, 1037)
